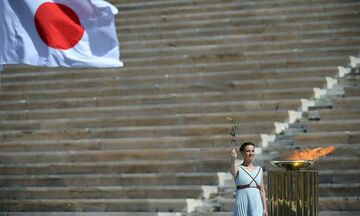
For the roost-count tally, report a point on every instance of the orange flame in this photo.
(310, 154)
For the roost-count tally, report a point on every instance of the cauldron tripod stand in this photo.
(292, 191)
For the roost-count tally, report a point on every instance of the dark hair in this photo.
(242, 148)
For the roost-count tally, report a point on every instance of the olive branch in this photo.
(234, 129)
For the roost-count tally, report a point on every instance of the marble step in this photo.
(339, 114)
(337, 163)
(176, 11)
(146, 166)
(194, 32)
(164, 142)
(136, 192)
(152, 95)
(237, 21)
(222, 74)
(199, 83)
(189, 85)
(164, 109)
(169, 96)
(149, 8)
(144, 120)
(213, 48)
(348, 176)
(139, 166)
(95, 214)
(332, 125)
(140, 179)
(131, 132)
(325, 177)
(352, 92)
(133, 7)
(70, 74)
(250, 39)
(260, 67)
(351, 81)
(162, 20)
(346, 103)
(340, 203)
(339, 137)
(336, 190)
(228, 11)
(107, 192)
(114, 155)
(238, 56)
(97, 205)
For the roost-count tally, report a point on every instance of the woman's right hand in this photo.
(233, 154)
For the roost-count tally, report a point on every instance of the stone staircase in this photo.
(152, 138)
(333, 119)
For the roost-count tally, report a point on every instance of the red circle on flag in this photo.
(58, 25)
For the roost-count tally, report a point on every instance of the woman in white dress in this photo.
(250, 199)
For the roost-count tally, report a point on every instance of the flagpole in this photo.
(1, 70)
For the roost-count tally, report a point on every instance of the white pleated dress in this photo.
(248, 200)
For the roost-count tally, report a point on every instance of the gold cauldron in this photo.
(293, 165)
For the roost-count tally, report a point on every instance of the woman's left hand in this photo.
(265, 213)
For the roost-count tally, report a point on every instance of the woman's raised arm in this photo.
(233, 168)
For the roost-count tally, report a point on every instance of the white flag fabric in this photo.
(68, 33)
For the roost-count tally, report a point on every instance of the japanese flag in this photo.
(69, 33)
